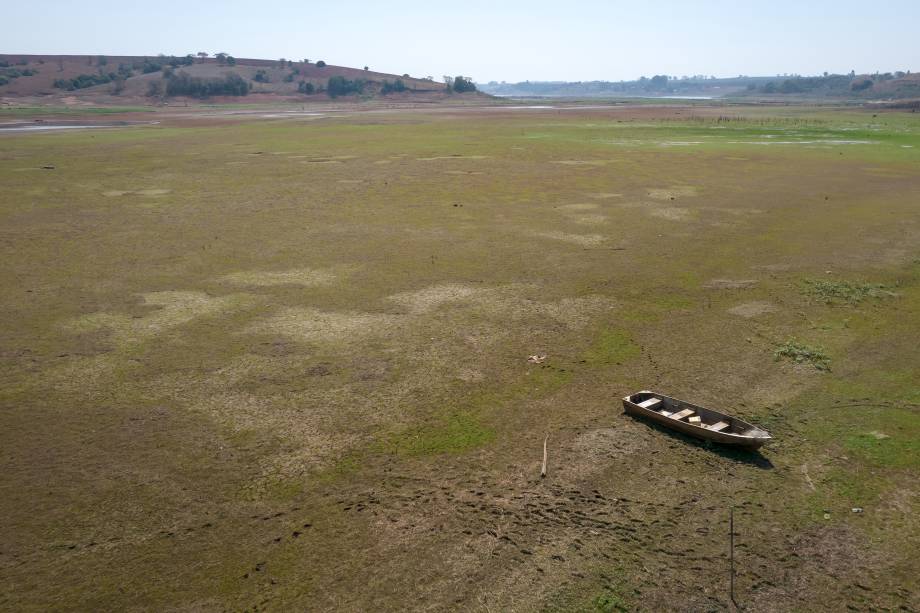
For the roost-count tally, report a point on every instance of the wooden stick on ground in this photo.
(543, 469)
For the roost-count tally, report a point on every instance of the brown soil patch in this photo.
(590, 220)
(605, 195)
(503, 303)
(115, 193)
(173, 308)
(313, 325)
(672, 193)
(752, 309)
(581, 162)
(672, 214)
(306, 277)
(730, 284)
(583, 240)
(587, 206)
(453, 157)
(430, 298)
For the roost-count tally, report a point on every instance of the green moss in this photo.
(653, 306)
(846, 488)
(343, 468)
(612, 346)
(274, 488)
(454, 434)
(605, 592)
(889, 385)
(891, 438)
(609, 602)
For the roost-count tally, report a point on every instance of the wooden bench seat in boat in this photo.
(651, 403)
(682, 414)
(718, 427)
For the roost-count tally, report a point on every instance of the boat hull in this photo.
(734, 439)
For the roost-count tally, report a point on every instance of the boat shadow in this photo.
(735, 454)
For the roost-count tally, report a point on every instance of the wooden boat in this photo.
(695, 420)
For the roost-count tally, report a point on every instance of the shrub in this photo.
(321, 64)
(182, 84)
(262, 77)
(289, 78)
(155, 89)
(84, 80)
(463, 84)
(340, 86)
(305, 87)
(388, 87)
(162, 61)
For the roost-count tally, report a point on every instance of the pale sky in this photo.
(497, 40)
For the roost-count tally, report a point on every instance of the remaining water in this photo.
(45, 127)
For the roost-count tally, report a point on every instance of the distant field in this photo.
(281, 363)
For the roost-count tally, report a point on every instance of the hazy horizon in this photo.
(518, 41)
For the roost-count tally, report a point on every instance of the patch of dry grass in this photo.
(306, 277)
(582, 240)
(169, 310)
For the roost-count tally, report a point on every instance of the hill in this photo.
(95, 78)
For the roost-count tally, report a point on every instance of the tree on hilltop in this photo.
(463, 84)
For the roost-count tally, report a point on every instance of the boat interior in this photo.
(694, 415)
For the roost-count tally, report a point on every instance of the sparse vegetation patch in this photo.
(844, 292)
(801, 353)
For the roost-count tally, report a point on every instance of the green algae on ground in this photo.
(612, 346)
(455, 433)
